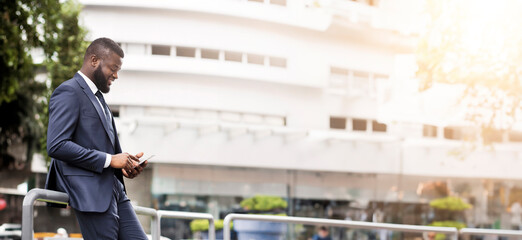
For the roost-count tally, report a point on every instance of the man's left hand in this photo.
(134, 172)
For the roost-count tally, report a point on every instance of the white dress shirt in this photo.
(94, 89)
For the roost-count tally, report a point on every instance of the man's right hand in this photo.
(125, 161)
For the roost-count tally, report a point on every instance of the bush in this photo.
(441, 236)
(455, 224)
(450, 203)
(264, 203)
(199, 225)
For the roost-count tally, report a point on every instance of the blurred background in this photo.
(368, 110)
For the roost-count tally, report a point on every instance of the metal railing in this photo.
(154, 223)
(453, 232)
(49, 196)
(190, 215)
(42, 195)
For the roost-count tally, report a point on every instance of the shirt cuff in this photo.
(107, 161)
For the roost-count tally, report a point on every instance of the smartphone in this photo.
(143, 159)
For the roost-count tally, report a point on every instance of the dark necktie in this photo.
(107, 112)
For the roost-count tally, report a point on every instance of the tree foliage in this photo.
(475, 44)
(27, 25)
(66, 56)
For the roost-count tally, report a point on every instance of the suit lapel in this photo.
(94, 102)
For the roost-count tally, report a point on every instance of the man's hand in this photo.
(126, 162)
(137, 169)
(123, 160)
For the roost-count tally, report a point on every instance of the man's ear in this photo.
(95, 60)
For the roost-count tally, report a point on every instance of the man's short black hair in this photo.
(101, 47)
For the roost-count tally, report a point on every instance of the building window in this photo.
(368, 2)
(233, 56)
(452, 133)
(338, 71)
(361, 83)
(161, 50)
(138, 49)
(378, 127)
(255, 59)
(380, 78)
(429, 131)
(185, 52)
(449, 133)
(492, 135)
(277, 62)
(210, 54)
(515, 136)
(338, 78)
(461, 133)
(374, 3)
(337, 123)
(358, 124)
(278, 2)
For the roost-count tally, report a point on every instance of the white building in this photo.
(313, 101)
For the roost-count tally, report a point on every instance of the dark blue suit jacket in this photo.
(77, 142)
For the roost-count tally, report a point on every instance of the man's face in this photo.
(323, 233)
(107, 72)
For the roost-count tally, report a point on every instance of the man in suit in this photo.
(87, 161)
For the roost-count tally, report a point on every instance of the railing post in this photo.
(191, 215)
(211, 230)
(455, 236)
(28, 207)
(226, 226)
(155, 230)
(155, 220)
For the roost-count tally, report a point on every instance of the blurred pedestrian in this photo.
(61, 232)
(429, 235)
(323, 234)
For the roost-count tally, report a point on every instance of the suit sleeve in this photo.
(64, 113)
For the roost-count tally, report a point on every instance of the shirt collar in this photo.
(90, 83)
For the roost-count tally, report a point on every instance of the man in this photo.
(82, 141)
(322, 235)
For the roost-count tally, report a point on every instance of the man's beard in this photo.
(100, 81)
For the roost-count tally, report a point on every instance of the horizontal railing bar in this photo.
(145, 211)
(184, 215)
(335, 223)
(498, 232)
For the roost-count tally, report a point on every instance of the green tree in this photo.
(66, 58)
(28, 25)
(475, 44)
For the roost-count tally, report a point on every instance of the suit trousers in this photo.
(118, 222)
